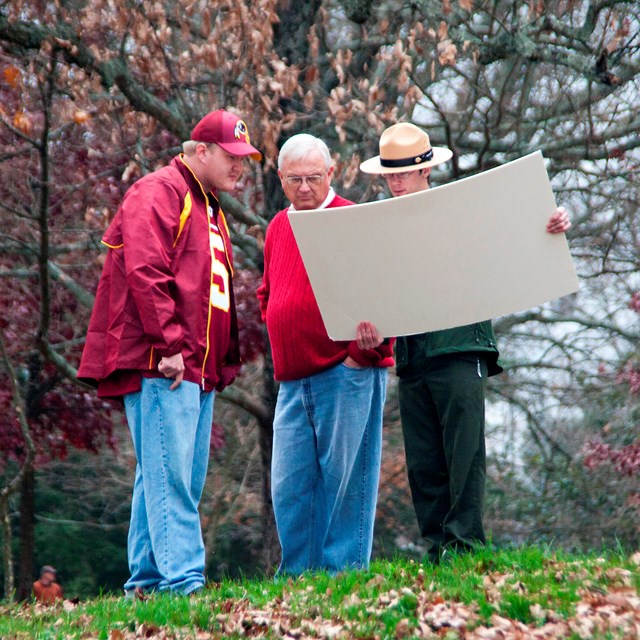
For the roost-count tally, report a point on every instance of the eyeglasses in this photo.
(403, 175)
(312, 181)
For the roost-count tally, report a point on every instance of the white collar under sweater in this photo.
(327, 201)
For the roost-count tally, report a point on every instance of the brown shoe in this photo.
(135, 594)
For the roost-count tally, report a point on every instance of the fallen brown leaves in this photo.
(611, 615)
(396, 603)
(615, 615)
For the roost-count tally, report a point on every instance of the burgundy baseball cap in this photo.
(227, 131)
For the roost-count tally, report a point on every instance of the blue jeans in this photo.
(171, 431)
(327, 446)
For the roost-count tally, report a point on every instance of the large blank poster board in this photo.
(464, 252)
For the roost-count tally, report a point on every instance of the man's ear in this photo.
(201, 150)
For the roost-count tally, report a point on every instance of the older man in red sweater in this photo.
(328, 424)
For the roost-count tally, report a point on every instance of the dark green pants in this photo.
(442, 413)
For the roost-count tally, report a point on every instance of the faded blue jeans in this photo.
(171, 432)
(327, 446)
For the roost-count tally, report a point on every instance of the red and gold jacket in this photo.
(166, 288)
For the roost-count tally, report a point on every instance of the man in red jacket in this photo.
(163, 336)
(328, 422)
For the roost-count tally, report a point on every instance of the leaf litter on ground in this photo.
(489, 595)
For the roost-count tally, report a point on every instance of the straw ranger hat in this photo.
(405, 147)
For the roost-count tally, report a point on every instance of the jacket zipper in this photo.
(212, 257)
(206, 353)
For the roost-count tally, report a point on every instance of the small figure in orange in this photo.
(47, 590)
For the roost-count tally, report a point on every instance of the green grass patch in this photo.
(402, 598)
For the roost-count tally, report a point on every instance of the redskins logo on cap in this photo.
(241, 131)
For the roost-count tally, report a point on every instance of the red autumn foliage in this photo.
(625, 460)
(252, 339)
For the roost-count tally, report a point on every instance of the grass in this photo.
(490, 594)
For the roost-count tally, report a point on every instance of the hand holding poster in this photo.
(464, 252)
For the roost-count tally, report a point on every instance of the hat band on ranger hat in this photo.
(407, 162)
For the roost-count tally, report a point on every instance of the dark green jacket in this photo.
(412, 351)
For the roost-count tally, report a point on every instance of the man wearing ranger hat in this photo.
(163, 336)
(442, 379)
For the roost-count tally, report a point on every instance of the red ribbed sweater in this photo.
(299, 342)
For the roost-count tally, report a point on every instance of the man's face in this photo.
(47, 578)
(306, 182)
(219, 169)
(402, 184)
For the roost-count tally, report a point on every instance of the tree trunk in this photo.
(271, 548)
(7, 556)
(27, 534)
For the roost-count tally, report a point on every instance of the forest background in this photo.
(96, 93)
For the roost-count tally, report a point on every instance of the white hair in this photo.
(300, 146)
